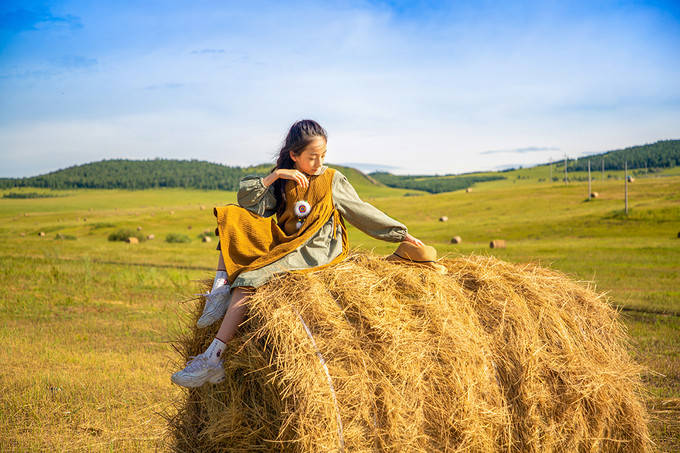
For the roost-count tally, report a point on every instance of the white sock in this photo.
(220, 280)
(215, 350)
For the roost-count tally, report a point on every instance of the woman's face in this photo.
(311, 158)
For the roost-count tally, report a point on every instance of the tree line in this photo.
(662, 154)
(431, 184)
(141, 174)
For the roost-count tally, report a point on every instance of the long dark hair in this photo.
(301, 134)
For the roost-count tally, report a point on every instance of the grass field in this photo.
(85, 323)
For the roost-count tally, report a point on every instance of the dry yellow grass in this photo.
(371, 355)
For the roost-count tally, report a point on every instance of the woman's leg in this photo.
(220, 263)
(235, 314)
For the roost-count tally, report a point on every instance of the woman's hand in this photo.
(413, 240)
(295, 175)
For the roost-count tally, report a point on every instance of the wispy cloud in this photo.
(164, 86)
(528, 149)
(75, 62)
(22, 19)
(207, 51)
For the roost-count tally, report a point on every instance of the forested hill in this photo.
(156, 173)
(662, 154)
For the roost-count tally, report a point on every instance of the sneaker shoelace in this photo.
(196, 362)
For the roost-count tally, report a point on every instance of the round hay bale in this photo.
(188, 227)
(443, 219)
(594, 195)
(172, 212)
(41, 234)
(468, 190)
(206, 239)
(150, 236)
(497, 244)
(22, 234)
(369, 355)
(139, 228)
(202, 207)
(132, 240)
(631, 179)
(456, 240)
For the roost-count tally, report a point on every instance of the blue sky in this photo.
(414, 87)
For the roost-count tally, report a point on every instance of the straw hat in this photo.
(412, 254)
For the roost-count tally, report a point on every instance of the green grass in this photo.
(85, 323)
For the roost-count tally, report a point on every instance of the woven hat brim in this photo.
(432, 265)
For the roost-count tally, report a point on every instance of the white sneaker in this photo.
(216, 304)
(198, 371)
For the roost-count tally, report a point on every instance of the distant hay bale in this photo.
(41, 234)
(139, 228)
(206, 239)
(497, 244)
(456, 240)
(443, 219)
(202, 207)
(468, 190)
(172, 212)
(151, 237)
(22, 234)
(368, 355)
(188, 227)
(631, 179)
(594, 195)
(132, 240)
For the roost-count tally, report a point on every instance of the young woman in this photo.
(292, 220)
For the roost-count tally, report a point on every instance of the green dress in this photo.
(323, 247)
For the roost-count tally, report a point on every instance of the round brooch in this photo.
(302, 208)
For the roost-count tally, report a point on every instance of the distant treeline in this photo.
(432, 184)
(662, 154)
(140, 174)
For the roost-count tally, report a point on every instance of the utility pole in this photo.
(602, 169)
(625, 177)
(589, 191)
(565, 170)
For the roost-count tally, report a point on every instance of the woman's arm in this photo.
(256, 197)
(256, 193)
(365, 216)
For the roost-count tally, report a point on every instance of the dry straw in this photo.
(370, 355)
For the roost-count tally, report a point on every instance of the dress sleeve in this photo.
(256, 197)
(362, 215)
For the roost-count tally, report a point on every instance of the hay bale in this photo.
(443, 219)
(172, 212)
(151, 236)
(631, 179)
(468, 190)
(22, 234)
(594, 195)
(456, 240)
(188, 227)
(202, 207)
(206, 239)
(369, 355)
(497, 244)
(139, 228)
(41, 234)
(132, 240)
